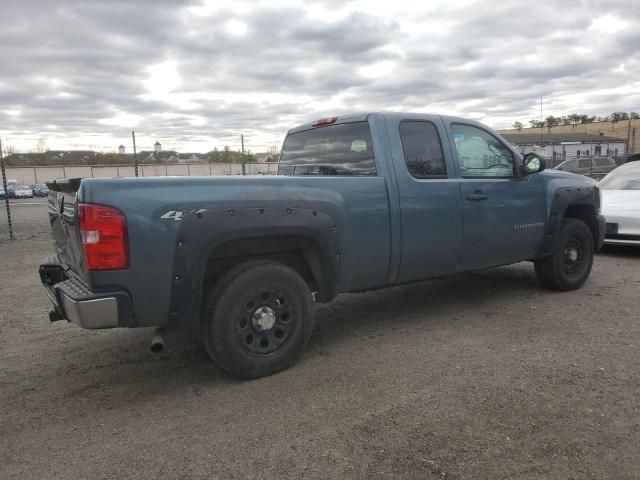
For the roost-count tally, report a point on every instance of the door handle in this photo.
(477, 195)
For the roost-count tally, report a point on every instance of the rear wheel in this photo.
(258, 319)
(570, 264)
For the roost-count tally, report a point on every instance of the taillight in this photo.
(324, 121)
(103, 232)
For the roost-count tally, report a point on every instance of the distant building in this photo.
(191, 158)
(269, 158)
(628, 130)
(70, 157)
(157, 155)
(157, 147)
(170, 156)
(560, 146)
(121, 150)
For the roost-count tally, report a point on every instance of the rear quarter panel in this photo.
(357, 207)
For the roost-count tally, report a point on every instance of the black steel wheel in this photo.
(257, 319)
(572, 255)
(267, 321)
(570, 263)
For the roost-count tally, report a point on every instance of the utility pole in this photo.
(628, 147)
(244, 172)
(6, 193)
(541, 122)
(135, 154)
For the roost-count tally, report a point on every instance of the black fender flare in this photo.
(563, 199)
(202, 231)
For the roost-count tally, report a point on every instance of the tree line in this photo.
(226, 155)
(577, 119)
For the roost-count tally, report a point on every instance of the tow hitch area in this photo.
(54, 315)
(51, 273)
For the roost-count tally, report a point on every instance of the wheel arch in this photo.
(587, 213)
(300, 250)
(211, 243)
(570, 202)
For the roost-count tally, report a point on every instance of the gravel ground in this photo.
(478, 376)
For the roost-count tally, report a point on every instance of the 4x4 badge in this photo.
(176, 215)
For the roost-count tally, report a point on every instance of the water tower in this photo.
(157, 147)
(121, 149)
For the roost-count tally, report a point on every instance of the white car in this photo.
(21, 191)
(621, 205)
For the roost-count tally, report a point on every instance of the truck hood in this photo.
(574, 178)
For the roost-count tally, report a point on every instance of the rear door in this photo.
(429, 197)
(503, 214)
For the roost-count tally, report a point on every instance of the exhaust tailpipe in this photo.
(157, 340)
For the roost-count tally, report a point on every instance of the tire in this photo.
(257, 319)
(570, 263)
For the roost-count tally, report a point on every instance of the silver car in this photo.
(22, 191)
(621, 205)
(595, 167)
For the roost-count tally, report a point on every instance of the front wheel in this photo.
(258, 319)
(570, 263)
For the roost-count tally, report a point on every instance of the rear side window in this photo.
(343, 149)
(422, 149)
(584, 163)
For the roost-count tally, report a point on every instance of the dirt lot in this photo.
(479, 376)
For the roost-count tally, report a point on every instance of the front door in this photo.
(503, 214)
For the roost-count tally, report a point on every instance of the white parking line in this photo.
(27, 203)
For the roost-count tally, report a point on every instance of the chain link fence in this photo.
(17, 220)
(35, 175)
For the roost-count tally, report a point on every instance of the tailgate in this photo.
(64, 225)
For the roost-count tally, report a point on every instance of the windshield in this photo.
(626, 177)
(344, 149)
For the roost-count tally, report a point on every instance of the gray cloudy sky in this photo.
(194, 75)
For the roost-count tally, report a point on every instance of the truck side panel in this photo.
(356, 207)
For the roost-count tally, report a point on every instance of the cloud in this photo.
(197, 74)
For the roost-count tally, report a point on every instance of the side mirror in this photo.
(533, 163)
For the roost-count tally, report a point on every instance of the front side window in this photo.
(422, 149)
(480, 154)
(343, 149)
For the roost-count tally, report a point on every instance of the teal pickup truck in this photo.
(360, 202)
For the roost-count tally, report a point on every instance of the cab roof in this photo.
(362, 117)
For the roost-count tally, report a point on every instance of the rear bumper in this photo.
(74, 301)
